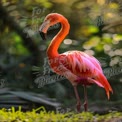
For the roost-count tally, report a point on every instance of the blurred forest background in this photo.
(96, 28)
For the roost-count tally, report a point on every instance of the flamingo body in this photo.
(77, 66)
(80, 68)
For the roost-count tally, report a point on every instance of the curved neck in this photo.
(52, 50)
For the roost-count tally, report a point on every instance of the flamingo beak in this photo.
(43, 35)
(43, 29)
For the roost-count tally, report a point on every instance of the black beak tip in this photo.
(43, 35)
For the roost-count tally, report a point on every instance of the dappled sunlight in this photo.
(111, 53)
(114, 61)
(67, 41)
(101, 2)
(107, 47)
(89, 52)
(93, 42)
(116, 38)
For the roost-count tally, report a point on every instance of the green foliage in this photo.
(95, 29)
(41, 115)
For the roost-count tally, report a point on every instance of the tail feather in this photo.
(102, 79)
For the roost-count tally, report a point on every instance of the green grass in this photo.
(43, 116)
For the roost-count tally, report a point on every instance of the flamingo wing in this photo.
(76, 65)
(80, 63)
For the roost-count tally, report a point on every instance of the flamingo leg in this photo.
(77, 98)
(86, 99)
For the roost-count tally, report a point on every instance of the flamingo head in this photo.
(50, 20)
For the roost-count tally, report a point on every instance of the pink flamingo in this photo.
(78, 67)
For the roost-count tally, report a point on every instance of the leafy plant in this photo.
(41, 115)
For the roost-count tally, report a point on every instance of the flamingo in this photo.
(78, 67)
